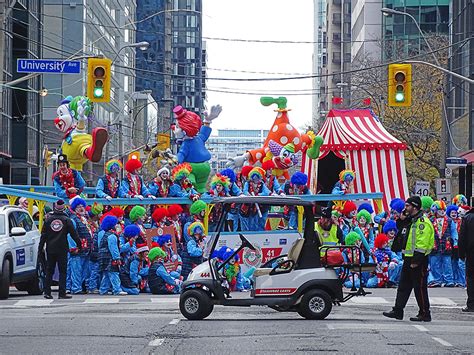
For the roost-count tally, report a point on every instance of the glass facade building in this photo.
(400, 34)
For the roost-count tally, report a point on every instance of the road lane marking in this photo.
(101, 300)
(174, 321)
(34, 303)
(156, 342)
(368, 300)
(441, 341)
(421, 328)
(442, 301)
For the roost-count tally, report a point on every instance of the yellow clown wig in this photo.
(346, 173)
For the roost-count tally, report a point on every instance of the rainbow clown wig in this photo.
(181, 171)
(438, 206)
(347, 175)
(460, 200)
(257, 173)
(196, 228)
(113, 166)
(222, 180)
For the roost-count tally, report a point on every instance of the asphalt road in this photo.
(152, 324)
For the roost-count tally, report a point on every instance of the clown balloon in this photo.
(78, 145)
(283, 143)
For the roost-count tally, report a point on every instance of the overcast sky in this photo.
(274, 20)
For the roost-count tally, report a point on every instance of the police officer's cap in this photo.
(415, 201)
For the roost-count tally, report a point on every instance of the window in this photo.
(2, 225)
(23, 220)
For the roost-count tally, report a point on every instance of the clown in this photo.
(352, 238)
(283, 143)
(77, 144)
(119, 213)
(134, 271)
(390, 230)
(197, 214)
(160, 217)
(349, 212)
(182, 185)
(67, 182)
(343, 186)
(364, 221)
(160, 185)
(95, 213)
(385, 259)
(460, 200)
(254, 215)
(458, 266)
(271, 180)
(159, 279)
(138, 217)
(231, 269)
(426, 203)
(234, 189)
(193, 134)
(441, 270)
(396, 207)
(127, 240)
(173, 262)
(219, 188)
(174, 215)
(192, 255)
(295, 187)
(132, 184)
(108, 184)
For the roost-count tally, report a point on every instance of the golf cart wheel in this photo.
(195, 304)
(315, 304)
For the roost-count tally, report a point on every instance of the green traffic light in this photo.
(399, 97)
(98, 92)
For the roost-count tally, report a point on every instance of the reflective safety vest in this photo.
(327, 237)
(420, 238)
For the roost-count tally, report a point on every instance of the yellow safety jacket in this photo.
(420, 237)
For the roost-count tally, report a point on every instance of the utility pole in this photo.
(120, 143)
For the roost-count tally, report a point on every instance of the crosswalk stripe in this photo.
(368, 300)
(33, 303)
(156, 342)
(101, 300)
(441, 341)
(442, 300)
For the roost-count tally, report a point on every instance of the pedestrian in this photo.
(55, 236)
(414, 275)
(466, 253)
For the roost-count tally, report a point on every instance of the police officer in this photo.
(54, 234)
(414, 275)
(466, 252)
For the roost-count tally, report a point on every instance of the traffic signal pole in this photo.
(459, 76)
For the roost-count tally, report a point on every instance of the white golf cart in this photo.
(296, 282)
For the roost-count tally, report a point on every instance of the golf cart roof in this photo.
(265, 200)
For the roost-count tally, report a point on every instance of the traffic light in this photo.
(99, 77)
(399, 85)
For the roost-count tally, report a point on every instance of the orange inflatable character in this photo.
(283, 144)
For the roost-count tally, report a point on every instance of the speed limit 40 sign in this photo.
(422, 188)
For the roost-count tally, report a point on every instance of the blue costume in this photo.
(129, 277)
(124, 190)
(107, 187)
(192, 256)
(109, 257)
(297, 186)
(60, 184)
(94, 274)
(251, 220)
(160, 281)
(234, 190)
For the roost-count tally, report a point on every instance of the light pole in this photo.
(143, 46)
(444, 122)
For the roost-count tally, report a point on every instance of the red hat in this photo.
(380, 240)
(246, 170)
(132, 165)
(142, 247)
(349, 206)
(268, 165)
(174, 210)
(159, 214)
(117, 212)
(188, 121)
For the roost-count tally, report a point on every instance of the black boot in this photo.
(394, 314)
(467, 309)
(64, 297)
(420, 317)
(48, 296)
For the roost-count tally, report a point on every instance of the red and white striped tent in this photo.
(375, 155)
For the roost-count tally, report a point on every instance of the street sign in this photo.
(422, 188)
(448, 172)
(51, 66)
(443, 186)
(454, 162)
(444, 197)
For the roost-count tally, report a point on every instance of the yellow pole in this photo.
(209, 207)
(30, 203)
(300, 218)
(41, 205)
(378, 202)
(11, 199)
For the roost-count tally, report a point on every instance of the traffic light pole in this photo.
(459, 76)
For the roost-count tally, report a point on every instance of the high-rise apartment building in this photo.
(366, 28)
(20, 102)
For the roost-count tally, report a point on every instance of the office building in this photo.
(90, 28)
(319, 59)
(20, 114)
(366, 28)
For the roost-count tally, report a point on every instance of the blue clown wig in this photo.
(366, 206)
(108, 223)
(131, 231)
(230, 174)
(390, 225)
(162, 240)
(227, 255)
(450, 209)
(77, 202)
(397, 204)
(219, 253)
(299, 178)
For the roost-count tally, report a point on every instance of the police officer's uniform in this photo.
(418, 245)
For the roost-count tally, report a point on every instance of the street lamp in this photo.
(143, 46)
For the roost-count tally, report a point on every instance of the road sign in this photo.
(443, 186)
(454, 162)
(444, 197)
(422, 188)
(52, 66)
(448, 172)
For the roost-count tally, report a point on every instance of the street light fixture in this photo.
(143, 46)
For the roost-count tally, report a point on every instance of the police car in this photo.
(19, 262)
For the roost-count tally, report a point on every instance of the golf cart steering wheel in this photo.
(245, 242)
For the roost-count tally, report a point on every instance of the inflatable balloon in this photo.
(78, 145)
(283, 144)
